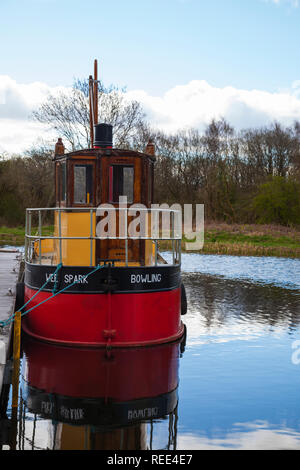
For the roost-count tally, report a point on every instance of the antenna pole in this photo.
(91, 100)
(95, 92)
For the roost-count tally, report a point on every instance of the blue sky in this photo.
(156, 46)
(152, 44)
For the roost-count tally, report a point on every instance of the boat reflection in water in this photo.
(96, 400)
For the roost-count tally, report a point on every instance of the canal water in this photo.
(234, 383)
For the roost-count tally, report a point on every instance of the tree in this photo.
(296, 157)
(270, 151)
(25, 181)
(68, 114)
(278, 201)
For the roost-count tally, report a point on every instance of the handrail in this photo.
(78, 208)
(173, 236)
(36, 237)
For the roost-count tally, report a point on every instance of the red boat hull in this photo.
(102, 319)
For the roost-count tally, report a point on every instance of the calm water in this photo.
(237, 381)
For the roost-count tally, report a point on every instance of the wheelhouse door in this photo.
(121, 178)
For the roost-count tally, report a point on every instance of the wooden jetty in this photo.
(10, 262)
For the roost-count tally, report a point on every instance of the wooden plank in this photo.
(9, 273)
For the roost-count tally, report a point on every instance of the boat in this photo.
(98, 278)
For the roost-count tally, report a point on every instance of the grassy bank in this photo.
(251, 240)
(229, 239)
(15, 236)
(248, 240)
(12, 236)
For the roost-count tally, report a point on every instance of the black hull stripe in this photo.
(80, 292)
(118, 280)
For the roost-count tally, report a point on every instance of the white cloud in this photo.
(191, 105)
(17, 101)
(197, 102)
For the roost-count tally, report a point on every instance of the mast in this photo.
(93, 100)
(96, 91)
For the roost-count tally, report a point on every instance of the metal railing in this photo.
(163, 225)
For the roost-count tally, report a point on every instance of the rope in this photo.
(54, 290)
(54, 293)
(11, 318)
(59, 266)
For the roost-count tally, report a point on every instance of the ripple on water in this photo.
(281, 272)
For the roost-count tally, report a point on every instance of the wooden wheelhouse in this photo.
(97, 177)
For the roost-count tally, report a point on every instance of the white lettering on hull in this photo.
(145, 278)
(69, 278)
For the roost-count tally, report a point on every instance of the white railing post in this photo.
(126, 239)
(26, 233)
(29, 231)
(59, 234)
(172, 235)
(40, 236)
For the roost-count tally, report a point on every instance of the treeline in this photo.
(248, 176)
(251, 176)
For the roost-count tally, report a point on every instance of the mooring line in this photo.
(9, 320)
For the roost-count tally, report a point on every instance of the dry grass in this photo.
(254, 229)
(247, 249)
(249, 240)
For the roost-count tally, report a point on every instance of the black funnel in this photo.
(103, 135)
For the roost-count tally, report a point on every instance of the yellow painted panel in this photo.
(75, 252)
(149, 253)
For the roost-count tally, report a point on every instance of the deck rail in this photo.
(160, 224)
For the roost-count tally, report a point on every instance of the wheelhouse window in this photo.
(150, 182)
(121, 182)
(83, 184)
(63, 181)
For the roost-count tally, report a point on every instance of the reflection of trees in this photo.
(219, 300)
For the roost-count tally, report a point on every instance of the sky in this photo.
(186, 61)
